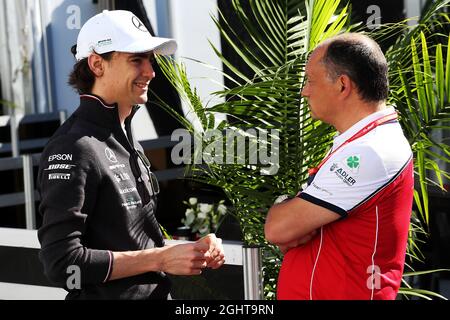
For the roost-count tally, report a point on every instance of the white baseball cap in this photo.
(121, 31)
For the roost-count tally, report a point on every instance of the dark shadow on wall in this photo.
(366, 11)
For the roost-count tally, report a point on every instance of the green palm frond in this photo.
(424, 294)
(422, 98)
(419, 79)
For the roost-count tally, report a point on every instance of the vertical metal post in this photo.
(14, 133)
(28, 180)
(253, 281)
(62, 116)
(44, 10)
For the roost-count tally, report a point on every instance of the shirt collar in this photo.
(341, 138)
(94, 109)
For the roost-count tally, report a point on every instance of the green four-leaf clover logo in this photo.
(353, 162)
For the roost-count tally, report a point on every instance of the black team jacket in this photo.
(98, 195)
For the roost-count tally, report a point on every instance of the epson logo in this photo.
(59, 176)
(61, 166)
(59, 157)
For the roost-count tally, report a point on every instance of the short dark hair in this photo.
(81, 78)
(361, 59)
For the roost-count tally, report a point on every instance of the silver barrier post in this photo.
(253, 281)
(14, 134)
(28, 180)
(62, 116)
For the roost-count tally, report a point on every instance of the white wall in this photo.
(190, 24)
(63, 20)
(413, 9)
(150, 6)
(192, 27)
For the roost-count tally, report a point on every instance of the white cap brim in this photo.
(162, 46)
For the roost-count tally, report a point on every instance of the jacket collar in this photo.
(94, 109)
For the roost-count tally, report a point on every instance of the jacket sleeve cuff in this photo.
(99, 266)
(111, 260)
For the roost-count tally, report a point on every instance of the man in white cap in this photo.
(99, 236)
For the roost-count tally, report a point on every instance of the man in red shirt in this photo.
(344, 236)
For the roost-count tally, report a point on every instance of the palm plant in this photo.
(282, 34)
(420, 90)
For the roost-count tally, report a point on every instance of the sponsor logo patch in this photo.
(138, 24)
(110, 155)
(59, 157)
(60, 166)
(344, 176)
(59, 176)
(131, 203)
(127, 190)
(117, 166)
(105, 42)
(333, 167)
(122, 176)
(353, 163)
(321, 189)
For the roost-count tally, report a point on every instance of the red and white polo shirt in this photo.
(369, 182)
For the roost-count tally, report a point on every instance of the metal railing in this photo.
(14, 120)
(237, 254)
(29, 195)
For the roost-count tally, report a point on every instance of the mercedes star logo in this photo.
(110, 155)
(138, 24)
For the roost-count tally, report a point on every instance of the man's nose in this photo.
(304, 92)
(148, 69)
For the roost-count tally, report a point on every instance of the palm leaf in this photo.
(425, 294)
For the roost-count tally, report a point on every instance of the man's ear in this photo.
(96, 64)
(346, 84)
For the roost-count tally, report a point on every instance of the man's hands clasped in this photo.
(215, 256)
(192, 258)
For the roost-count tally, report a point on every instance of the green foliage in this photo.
(419, 64)
(204, 218)
(282, 34)
(8, 104)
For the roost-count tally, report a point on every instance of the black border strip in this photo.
(323, 204)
